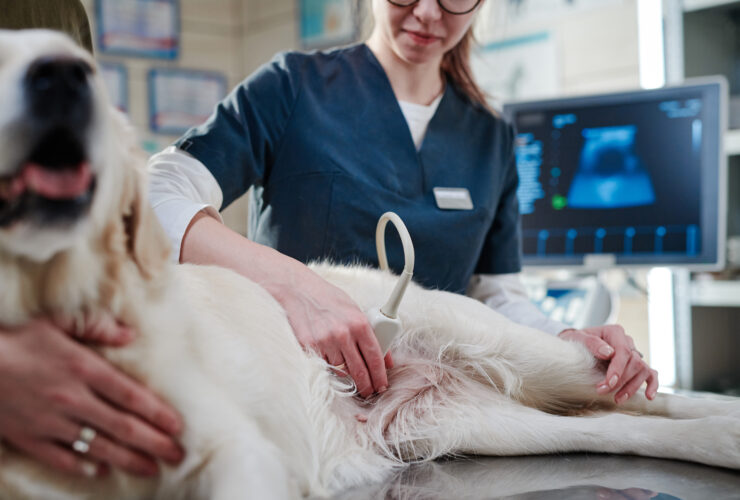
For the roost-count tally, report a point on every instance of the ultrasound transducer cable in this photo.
(384, 320)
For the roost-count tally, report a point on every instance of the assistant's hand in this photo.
(325, 319)
(96, 329)
(51, 386)
(626, 369)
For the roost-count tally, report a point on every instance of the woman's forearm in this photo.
(208, 241)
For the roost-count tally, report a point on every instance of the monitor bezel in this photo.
(710, 259)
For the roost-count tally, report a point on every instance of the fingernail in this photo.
(382, 389)
(149, 470)
(621, 399)
(606, 350)
(603, 388)
(89, 469)
(613, 381)
(103, 470)
(171, 424)
(177, 453)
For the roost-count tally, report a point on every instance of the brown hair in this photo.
(456, 65)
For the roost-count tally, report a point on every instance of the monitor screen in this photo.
(633, 179)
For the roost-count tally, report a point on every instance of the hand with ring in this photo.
(67, 407)
(626, 369)
(327, 321)
(340, 369)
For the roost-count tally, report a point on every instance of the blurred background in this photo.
(167, 62)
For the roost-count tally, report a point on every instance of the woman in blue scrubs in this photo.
(331, 140)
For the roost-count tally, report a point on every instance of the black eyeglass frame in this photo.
(439, 2)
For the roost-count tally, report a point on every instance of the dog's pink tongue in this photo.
(57, 184)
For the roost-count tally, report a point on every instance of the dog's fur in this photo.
(263, 418)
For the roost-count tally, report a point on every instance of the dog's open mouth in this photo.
(54, 185)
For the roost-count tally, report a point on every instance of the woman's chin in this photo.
(416, 54)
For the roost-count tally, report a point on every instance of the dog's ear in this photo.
(147, 242)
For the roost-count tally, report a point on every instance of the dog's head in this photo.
(69, 165)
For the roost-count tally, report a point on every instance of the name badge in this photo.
(453, 198)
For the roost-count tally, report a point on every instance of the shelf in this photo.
(715, 293)
(732, 142)
(689, 5)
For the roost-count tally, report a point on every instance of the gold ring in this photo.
(340, 367)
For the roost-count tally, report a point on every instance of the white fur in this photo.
(264, 419)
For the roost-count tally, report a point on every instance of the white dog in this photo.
(263, 418)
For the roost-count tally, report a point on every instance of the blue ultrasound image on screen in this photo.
(622, 179)
(610, 175)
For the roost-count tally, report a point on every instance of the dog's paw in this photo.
(718, 440)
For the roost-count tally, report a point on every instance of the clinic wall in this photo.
(211, 32)
(596, 41)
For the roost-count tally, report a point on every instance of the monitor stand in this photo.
(577, 300)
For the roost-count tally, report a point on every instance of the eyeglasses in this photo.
(456, 7)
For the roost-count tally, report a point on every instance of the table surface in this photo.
(567, 476)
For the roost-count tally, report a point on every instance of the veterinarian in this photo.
(52, 387)
(331, 140)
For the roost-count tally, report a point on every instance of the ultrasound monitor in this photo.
(632, 179)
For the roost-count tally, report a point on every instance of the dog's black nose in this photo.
(58, 90)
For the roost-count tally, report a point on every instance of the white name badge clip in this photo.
(453, 198)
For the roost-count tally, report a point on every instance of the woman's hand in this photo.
(322, 316)
(100, 329)
(327, 321)
(626, 371)
(51, 387)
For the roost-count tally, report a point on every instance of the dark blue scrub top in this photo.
(324, 142)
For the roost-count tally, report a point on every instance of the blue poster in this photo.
(327, 23)
(115, 77)
(182, 98)
(145, 28)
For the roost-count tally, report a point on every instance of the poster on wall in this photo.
(520, 68)
(115, 77)
(180, 98)
(142, 28)
(327, 23)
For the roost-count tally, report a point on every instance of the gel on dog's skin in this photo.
(264, 419)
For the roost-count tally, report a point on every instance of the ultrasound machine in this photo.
(630, 179)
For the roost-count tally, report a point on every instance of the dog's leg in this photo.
(510, 429)
(535, 368)
(681, 407)
(228, 454)
(228, 457)
(558, 375)
(247, 466)
(430, 424)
